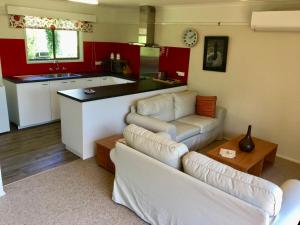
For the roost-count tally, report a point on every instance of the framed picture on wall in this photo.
(215, 53)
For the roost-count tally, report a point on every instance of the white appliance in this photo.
(276, 21)
(4, 121)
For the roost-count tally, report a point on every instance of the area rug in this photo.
(78, 193)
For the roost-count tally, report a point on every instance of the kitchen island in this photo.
(86, 118)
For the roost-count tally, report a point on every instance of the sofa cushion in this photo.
(159, 107)
(254, 190)
(184, 103)
(205, 124)
(184, 130)
(206, 106)
(155, 146)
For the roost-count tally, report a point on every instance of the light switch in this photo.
(180, 74)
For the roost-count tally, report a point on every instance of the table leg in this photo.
(256, 170)
(271, 157)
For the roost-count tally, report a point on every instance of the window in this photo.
(46, 44)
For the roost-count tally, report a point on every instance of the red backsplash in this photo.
(174, 59)
(131, 53)
(13, 58)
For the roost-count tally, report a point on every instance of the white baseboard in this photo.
(288, 158)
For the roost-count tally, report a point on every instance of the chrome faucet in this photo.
(57, 65)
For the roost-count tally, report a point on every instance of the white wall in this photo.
(260, 86)
(113, 24)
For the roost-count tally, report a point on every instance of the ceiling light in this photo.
(92, 2)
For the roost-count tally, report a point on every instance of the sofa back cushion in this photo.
(159, 107)
(155, 145)
(184, 103)
(254, 190)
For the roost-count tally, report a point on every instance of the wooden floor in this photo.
(29, 151)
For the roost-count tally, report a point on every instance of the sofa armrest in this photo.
(152, 124)
(290, 208)
(133, 109)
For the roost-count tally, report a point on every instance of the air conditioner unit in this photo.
(276, 21)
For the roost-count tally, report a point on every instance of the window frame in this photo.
(74, 59)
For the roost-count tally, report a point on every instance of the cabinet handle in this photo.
(45, 84)
(89, 80)
(64, 82)
(73, 81)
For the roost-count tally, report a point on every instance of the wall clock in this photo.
(190, 37)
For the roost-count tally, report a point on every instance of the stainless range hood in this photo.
(147, 25)
(146, 28)
(149, 53)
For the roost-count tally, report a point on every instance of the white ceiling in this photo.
(162, 2)
(181, 2)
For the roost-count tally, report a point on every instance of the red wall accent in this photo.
(13, 58)
(174, 59)
(131, 53)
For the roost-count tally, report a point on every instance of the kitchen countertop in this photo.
(35, 78)
(103, 92)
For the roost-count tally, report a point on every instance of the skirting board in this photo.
(288, 158)
(278, 155)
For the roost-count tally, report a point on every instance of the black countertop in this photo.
(41, 78)
(111, 91)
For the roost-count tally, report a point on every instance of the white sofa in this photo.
(175, 114)
(153, 186)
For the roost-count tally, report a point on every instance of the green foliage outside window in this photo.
(46, 44)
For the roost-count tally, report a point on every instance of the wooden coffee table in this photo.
(250, 162)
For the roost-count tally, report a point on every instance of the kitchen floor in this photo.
(30, 151)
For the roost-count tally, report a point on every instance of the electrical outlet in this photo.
(98, 63)
(180, 74)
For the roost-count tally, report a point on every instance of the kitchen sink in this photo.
(47, 76)
(31, 77)
(62, 75)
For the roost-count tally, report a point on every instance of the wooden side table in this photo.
(253, 162)
(104, 146)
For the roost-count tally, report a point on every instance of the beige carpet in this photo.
(78, 193)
